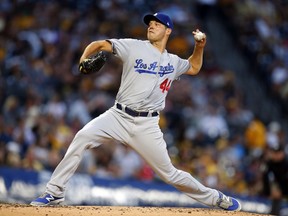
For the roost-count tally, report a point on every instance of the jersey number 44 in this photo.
(165, 85)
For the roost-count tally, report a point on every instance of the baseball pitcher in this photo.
(147, 75)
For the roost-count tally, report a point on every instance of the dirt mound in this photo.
(20, 209)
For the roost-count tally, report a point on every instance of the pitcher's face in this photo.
(157, 31)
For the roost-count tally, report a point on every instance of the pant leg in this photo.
(110, 125)
(149, 143)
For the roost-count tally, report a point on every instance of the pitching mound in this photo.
(19, 209)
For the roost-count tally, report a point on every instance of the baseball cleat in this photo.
(228, 203)
(47, 199)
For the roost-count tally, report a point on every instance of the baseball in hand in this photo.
(199, 36)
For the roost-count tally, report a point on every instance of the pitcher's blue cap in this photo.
(159, 17)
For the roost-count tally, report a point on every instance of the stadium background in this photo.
(220, 125)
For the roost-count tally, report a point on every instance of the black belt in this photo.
(135, 113)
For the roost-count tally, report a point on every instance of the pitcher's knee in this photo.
(87, 138)
(171, 177)
(179, 179)
(82, 136)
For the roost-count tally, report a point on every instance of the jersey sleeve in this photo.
(183, 66)
(121, 47)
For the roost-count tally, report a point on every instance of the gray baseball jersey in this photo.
(147, 74)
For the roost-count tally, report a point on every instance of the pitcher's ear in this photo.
(168, 31)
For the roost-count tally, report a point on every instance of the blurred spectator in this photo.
(13, 154)
(275, 173)
(275, 167)
(279, 77)
(213, 125)
(127, 162)
(255, 136)
(56, 107)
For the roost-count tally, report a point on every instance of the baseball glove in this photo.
(93, 64)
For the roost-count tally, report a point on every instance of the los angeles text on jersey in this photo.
(142, 67)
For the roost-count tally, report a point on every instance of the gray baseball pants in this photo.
(143, 134)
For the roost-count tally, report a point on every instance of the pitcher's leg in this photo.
(149, 143)
(157, 157)
(154, 151)
(96, 132)
(69, 164)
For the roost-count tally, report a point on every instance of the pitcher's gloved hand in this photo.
(93, 64)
